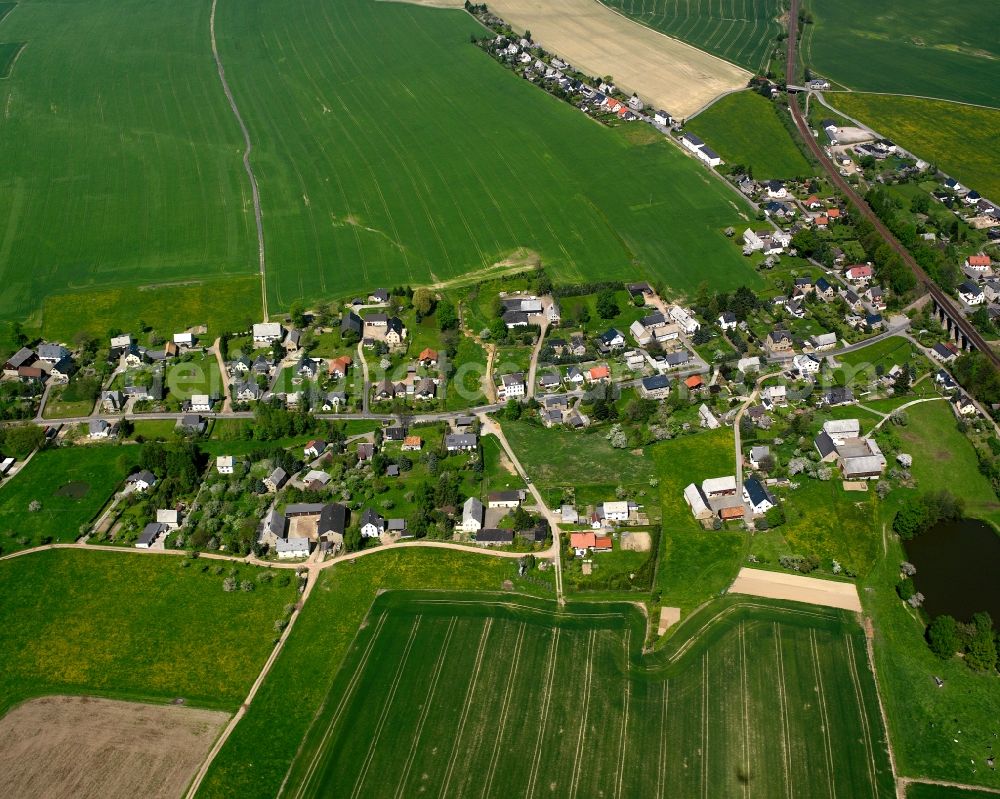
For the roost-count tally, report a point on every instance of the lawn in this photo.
(948, 50)
(889, 352)
(465, 387)
(559, 460)
(382, 169)
(133, 626)
(939, 451)
(197, 374)
(72, 484)
(116, 183)
(751, 693)
(744, 128)
(56, 408)
(744, 33)
(304, 672)
(964, 141)
(694, 564)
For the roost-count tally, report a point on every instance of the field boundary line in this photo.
(466, 706)
(550, 678)
(248, 148)
(746, 709)
(865, 731)
(783, 707)
(389, 699)
(425, 711)
(828, 749)
(504, 710)
(587, 679)
(341, 705)
(623, 740)
(661, 770)
(704, 725)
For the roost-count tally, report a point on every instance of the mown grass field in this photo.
(122, 156)
(738, 31)
(752, 698)
(132, 626)
(962, 140)
(744, 129)
(304, 673)
(71, 483)
(421, 160)
(948, 50)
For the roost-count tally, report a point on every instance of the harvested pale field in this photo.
(776, 585)
(663, 71)
(84, 747)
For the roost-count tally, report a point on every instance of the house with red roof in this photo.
(598, 373)
(859, 273)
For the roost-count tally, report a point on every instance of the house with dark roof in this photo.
(372, 524)
(757, 497)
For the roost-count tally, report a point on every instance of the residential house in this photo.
(170, 517)
(685, 319)
(379, 297)
(460, 442)
(694, 383)
(111, 401)
(225, 464)
(412, 444)
(707, 418)
(351, 323)
(334, 400)
(288, 548)
(577, 345)
(582, 543)
(191, 424)
(775, 395)
(395, 332)
(314, 448)
(62, 371)
(332, 523)
(662, 118)
(709, 156)
(779, 343)
(945, 380)
(727, 320)
(838, 395)
(776, 190)
(617, 511)
(247, 391)
(971, 294)
(859, 273)
(266, 333)
(962, 404)
(140, 481)
(473, 516)
(101, 428)
(512, 386)
(611, 340)
(876, 298)
(553, 314)
(824, 290)
(945, 352)
(574, 376)
(201, 403)
(293, 340)
(806, 364)
(598, 374)
(748, 365)
(691, 142)
(980, 262)
(823, 341)
(505, 499)
(655, 387)
(514, 319)
(757, 497)
(428, 358)
(51, 353)
(23, 358)
(276, 479)
(272, 529)
(150, 533)
(678, 358)
(366, 450)
(759, 455)
(549, 381)
(185, 340)
(372, 524)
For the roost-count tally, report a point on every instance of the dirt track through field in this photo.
(85, 747)
(665, 72)
(777, 585)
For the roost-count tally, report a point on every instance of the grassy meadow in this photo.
(71, 483)
(743, 33)
(132, 626)
(304, 673)
(422, 160)
(963, 140)
(744, 129)
(948, 50)
(752, 694)
(122, 156)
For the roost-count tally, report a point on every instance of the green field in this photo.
(122, 156)
(71, 483)
(303, 674)
(925, 791)
(948, 50)
(132, 626)
(9, 52)
(964, 141)
(752, 697)
(744, 129)
(421, 159)
(738, 31)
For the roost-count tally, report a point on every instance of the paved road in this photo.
(248, 148)
(943, 300)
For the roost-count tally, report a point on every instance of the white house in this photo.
(288, 548)
(727, 320)
(265, 333)
(513, 385)
(757, 497)
(776, 395)
(372, 524)
(201, 402)
(184, 339)
(971, 294)
(616, 511)
(691, 142)
(100, 428)
(662, 118)
(776, 190)
(806, 364)
(752, 241)
(709, 156)
(684, 319)
(473, 516)
(225, 464)
(169, 517)
(758, 454)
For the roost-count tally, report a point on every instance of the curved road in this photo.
(865, 210)
(248, 148)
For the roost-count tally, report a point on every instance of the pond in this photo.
(958, 563)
